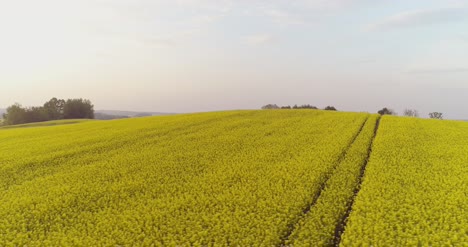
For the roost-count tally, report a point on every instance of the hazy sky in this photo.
(204, 55)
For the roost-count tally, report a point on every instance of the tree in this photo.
(35, 114)
(78, 109)
(330, 108)
(54, 108)
(307, 107)
(386, 111)
(411, 113)
(436, 115)
(15, 114)
(286, 107)
(270, 106)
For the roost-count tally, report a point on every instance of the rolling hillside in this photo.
(46, 123)
(283, 177)
(113, 114)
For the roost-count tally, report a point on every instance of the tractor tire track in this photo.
(341, 226)
(291, 227)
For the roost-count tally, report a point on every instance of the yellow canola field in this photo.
(415, 188)
(239, 178)
(322, 225)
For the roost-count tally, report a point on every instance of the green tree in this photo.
(54, 108)
(386, 111)
(307, 106)
(15, 114)
(410, 113)
(78, 109)
(35, 114)
(436, 115)
(270, 106)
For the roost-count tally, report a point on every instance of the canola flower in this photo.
(227, 178)
(415, 186)
(239, 178)
(318, 226)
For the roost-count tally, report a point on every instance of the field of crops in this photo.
(415, 188)
(240, 178)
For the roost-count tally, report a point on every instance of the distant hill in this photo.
(116, 114)
(103, 116)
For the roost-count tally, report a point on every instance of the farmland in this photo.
(415, 190)
(281, 177)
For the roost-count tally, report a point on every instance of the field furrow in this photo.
(293, 227)
(318, 227)
(237, 178)
(415, 186)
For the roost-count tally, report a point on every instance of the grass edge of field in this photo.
(47, 123)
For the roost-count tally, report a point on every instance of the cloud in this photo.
(464, 38)
(330, 4)
(160, 41)
(171, 39)
(420, 18)
(365, 61)
(438, 70)
(283, 17)
(206, 19)
(301, 12)
(157, 23)
(258, 39)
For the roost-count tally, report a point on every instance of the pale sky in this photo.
(205, 55)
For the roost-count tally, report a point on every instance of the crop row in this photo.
(415, 186)
(238, 178)
(318, 227)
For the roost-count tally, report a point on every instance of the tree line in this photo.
(274, 106)
(54, 109)
(410, 113)
(383, 111)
